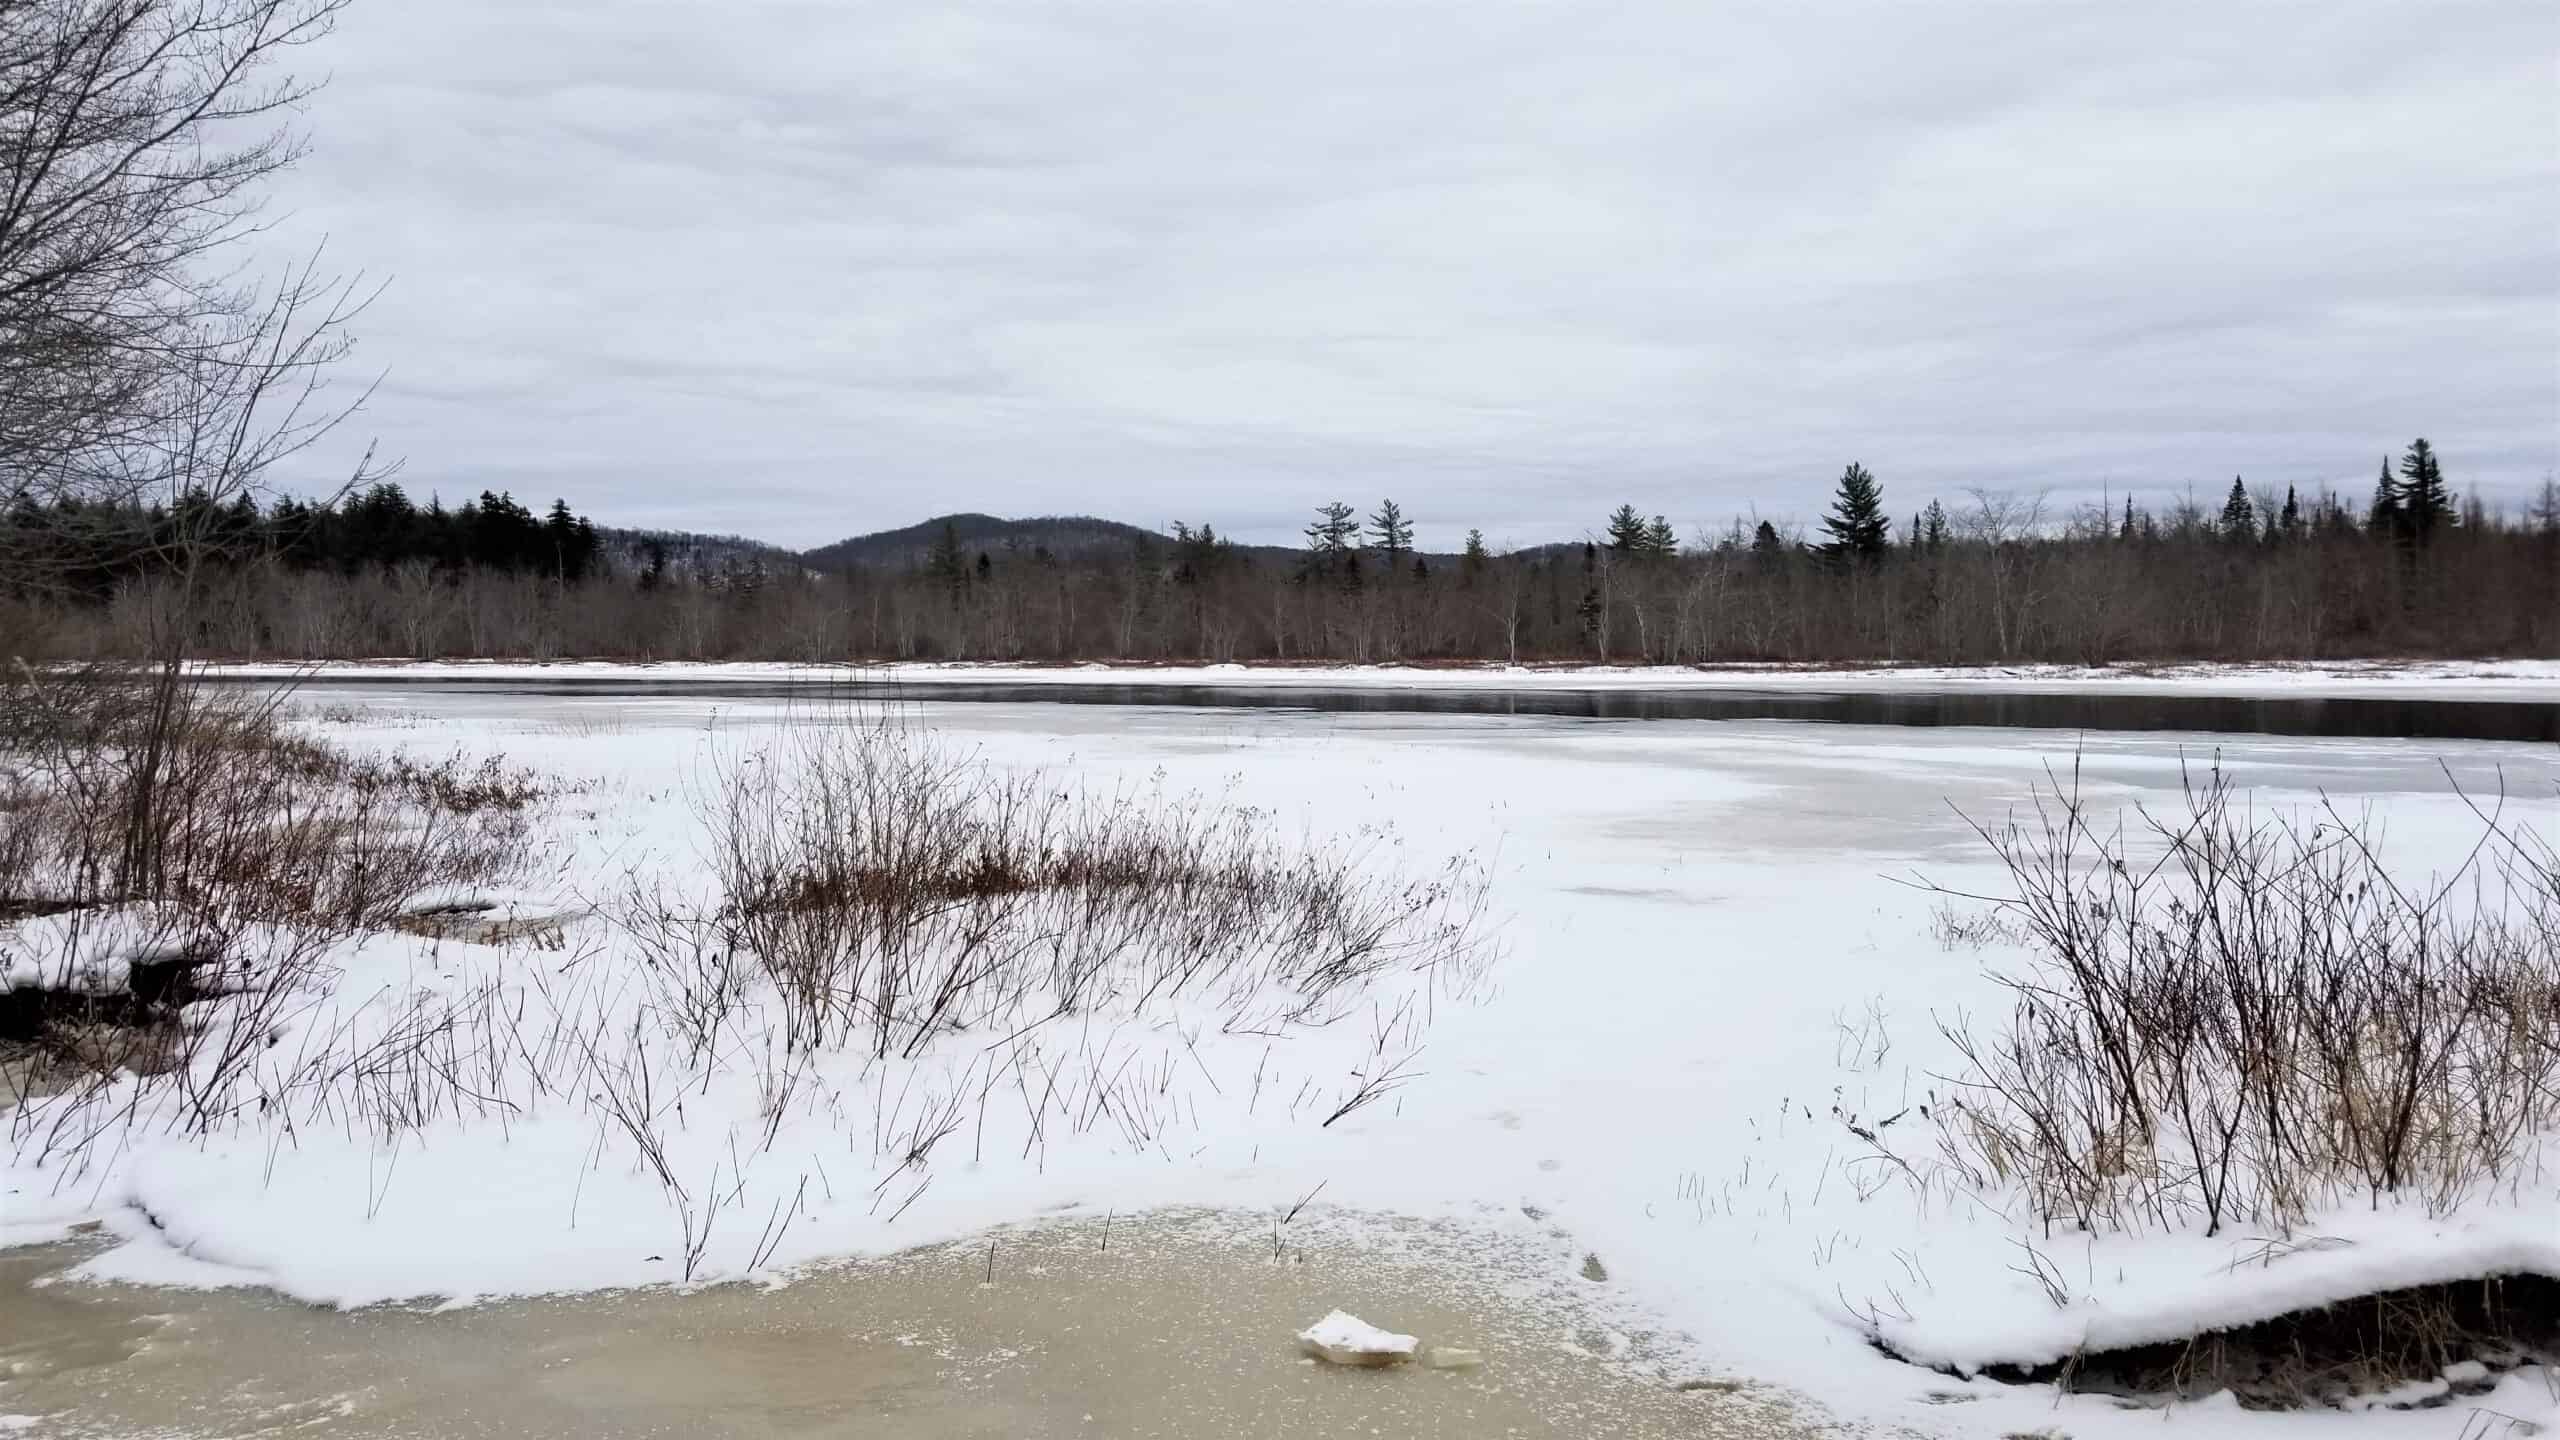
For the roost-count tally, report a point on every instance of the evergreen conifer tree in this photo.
(1391, 533)
(1474, 559)
(1330, 540)
(2425, 505)
(943, 561)
(2239, 522)
(1859, 532)
(2386, 519)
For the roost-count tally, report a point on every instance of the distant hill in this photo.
(1065, 536)
(626, 551)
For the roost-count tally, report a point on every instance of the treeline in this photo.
(2410, 570)
(88, 548)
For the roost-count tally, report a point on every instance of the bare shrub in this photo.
(209, 801)
(179, 866)
(2240, 1020)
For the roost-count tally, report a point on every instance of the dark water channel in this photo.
(2392, 718)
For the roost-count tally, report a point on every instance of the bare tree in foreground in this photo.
(146, 388)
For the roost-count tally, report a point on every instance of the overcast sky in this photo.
(799, 270)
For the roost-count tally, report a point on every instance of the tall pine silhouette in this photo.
(2425, 505)
(2386, 519)
(1859, 532)
(2239, 517)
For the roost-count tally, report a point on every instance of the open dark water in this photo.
(2377, 717)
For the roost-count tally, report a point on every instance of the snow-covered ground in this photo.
(2412, 679)
(1707, 973)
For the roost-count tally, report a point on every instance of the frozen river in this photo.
(1708, 955)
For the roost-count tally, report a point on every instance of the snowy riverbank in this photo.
(1705, 977)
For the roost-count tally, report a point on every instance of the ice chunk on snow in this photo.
(1346, 1339)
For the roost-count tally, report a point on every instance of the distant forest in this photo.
(2411, 570)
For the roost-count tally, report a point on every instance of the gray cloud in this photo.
(799, 269)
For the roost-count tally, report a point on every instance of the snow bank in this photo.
(92, 951)
(1981, 1307)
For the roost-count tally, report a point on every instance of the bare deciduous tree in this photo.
(135, 368)
(145, 390)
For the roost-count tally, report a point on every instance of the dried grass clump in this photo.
(889, 891)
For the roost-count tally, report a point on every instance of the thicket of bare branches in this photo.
(149, 382)
(2240, 1020)
(221, 871)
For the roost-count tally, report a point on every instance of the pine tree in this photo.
(1391, 533)
(2239, 518)
(1474, 559)
(1334, 529)
(1330, 539)
(1198, 555)
(1765, 544)
(2288, 527)
(560, 537)
(943, 561)
(2386, 519)
(2425, 504)
(1659, 541)
(1626, 531)
(2126, 531)
(1859, 532)
(1933, 529)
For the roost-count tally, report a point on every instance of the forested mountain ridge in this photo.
(1059, 536)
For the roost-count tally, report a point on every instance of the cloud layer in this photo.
(798, 269)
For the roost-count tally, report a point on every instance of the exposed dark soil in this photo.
(155, 992)
(2438, 1342)
(21, 907)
